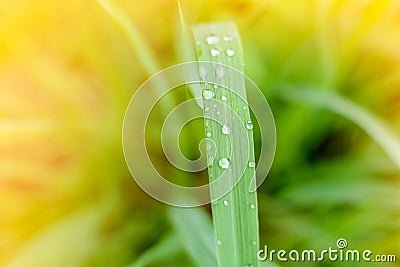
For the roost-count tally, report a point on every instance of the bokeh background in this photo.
(67, 73)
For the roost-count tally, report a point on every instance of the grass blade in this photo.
(366, 120)
(144, 54)
(194, 228)
(141, 49)
(168, 246)
(235, 214)
(237, 224)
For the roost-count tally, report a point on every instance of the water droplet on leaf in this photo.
(230, 52)
(212, 39)
(208, 94)
(249, 125)
(214, 52)
(224, 163)
(226, 129)
(203, 72)
(228, 38)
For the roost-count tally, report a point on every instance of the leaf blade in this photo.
(366, 120)
(195, 231)
(235, 214)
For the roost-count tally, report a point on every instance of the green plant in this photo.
(66, 77)
(235, 214)
(350, 177)
(371, 124)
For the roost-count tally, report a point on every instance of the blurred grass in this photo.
(67, 73)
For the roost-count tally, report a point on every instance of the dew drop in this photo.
(208, 94)
(249, 125)
(220, 72)
(214, 52)
(208, 134)
(244, 107)
(226, 202)
(215, 86)
(215, 105)
(226, 129)
(230, 52)
(224, 164)
(219, 242)
(252, 206)
(228, 38)
(254, 242)
(212, 39)
(224, 98)
(207, 109)
(203, 72)
(252, 164)
(218, 113)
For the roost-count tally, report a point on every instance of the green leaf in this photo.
(226, 115)
(371, 124)
(143, 52)
(139, 46)
(169, 246)
(194, 229)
